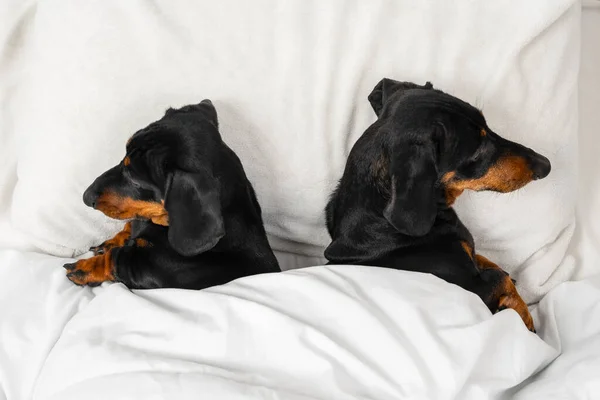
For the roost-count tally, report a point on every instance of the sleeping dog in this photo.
(193, 217)
(393, 205)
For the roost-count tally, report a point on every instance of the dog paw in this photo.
(81, 278)
(97, 250)
(69, 266)
(101, 248)
(92, 271)
(514, 301)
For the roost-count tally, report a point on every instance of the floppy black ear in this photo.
(413, 202)
(386, 88)
(194, 207)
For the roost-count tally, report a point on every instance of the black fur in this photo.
(391, 206)
(215, 231)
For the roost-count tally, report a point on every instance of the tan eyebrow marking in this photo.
(483, 132)
(126, 161)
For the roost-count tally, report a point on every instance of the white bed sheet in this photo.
(585, 246)
(317, 333)
(393, 340)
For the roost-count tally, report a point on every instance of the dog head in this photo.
(424, 150)
(168, 176)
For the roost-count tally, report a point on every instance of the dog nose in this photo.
(89, 198)
(540, 166)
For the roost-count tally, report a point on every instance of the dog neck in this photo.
(375, 238)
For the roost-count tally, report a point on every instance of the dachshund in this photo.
(393, 205)
(193, 217)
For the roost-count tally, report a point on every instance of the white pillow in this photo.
(290, 82)
(16, 22)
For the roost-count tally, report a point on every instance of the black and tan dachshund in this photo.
(393, 205)
(194, 220)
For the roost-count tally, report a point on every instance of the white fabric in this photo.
(290, 82)
(48, 326)
(315, 333)
(16, 21)
(45, 319)
(570, 323)
(585, 247)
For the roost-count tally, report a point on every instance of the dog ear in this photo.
(193, 204)
(412, 207)
(209, 111)
(386, 88)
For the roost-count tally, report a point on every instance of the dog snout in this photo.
(90, 197)
(540, 166)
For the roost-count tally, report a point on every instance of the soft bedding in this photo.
(319, 333)
(290, 82)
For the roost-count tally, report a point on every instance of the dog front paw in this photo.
(97, 250)
(104, 247)
(512, 300)
(92, 271)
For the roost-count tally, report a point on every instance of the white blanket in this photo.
(318, 333)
